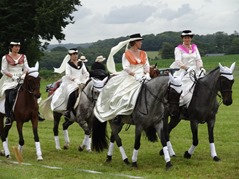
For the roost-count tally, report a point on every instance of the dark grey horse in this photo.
(204, 105)
(151, 107)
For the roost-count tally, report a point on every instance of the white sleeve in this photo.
(146, 65)
(126, 64)
(178, 57)
(198, 59)
(4, 65)
(85, 73)
(68, 70)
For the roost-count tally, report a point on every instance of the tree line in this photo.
(163, 43)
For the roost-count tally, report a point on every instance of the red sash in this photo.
(12, 62)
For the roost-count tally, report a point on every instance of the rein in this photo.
(28, 88)
(155, 96)
(222, 91)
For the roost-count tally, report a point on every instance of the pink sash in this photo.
(186, 50)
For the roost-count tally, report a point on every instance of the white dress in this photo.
(119, 95)
(70, 82)
(189, 58)
(7, 82)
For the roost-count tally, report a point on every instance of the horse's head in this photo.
(154, 71)
(174, 93)
(226, 81)
(32, 81)
(98, 86)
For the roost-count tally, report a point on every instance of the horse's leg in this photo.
(2, 132)
(20, 134)
(4, 138)
(87, 138)
(57, 118)
(210, 126)
(65, 126)
(166, 133)
(194, 130)
(138, 131)
(168, 126)
(161, 133)
(110, 149)
(115, 130)
(36, 138)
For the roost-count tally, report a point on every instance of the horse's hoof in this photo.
(65, 147)
(126, 161)
(2, 153)
(161, 152)
(187, 155)
(39, 158)
(58, 148)
(8, 157)
(89, 150)
(134, 164)
(81, 148)
(108, 159)
(169, 165)
(216, 159)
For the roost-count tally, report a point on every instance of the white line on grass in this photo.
(83, 170)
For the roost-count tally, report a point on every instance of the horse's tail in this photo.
(151, 134)
(99, 135)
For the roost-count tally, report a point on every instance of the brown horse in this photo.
(25, 109)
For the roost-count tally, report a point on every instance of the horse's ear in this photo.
(232, 66)
(220, 65)
(155, 66)
(170, 76)
(37, 66)
(105, 79)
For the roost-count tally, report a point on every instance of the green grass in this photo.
(74, 164)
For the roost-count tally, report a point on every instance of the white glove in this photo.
(23, 76)
(190, 69)
(147, 76)
(15, 78)
(203, 70)
(77, 81)
(138, 77)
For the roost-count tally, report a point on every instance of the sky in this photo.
(105, 19)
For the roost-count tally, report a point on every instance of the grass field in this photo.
(74, 164)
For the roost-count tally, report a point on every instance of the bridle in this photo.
(94, 89)
(29, 87)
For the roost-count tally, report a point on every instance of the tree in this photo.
(167, 50)
(31, 21)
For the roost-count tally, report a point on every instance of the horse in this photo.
(84, 111)
(204, 105)
(25, 109)
(151, 107)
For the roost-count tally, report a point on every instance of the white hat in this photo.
(72, 50)
(187, 33)
(83, 59)
(15, 43)
(99, 59)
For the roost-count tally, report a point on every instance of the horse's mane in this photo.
(212, 71)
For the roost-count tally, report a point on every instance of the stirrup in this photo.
(8, 121)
